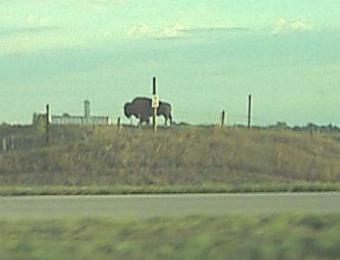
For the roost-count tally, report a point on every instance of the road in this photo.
(144, 206)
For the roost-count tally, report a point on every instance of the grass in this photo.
(195, 237)
(83, 160)
(174, 189)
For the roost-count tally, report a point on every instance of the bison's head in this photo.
(128, 110)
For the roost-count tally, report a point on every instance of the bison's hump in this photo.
(138, 99)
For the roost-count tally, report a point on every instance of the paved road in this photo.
(141, 206)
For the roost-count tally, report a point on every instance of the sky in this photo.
(208, 56)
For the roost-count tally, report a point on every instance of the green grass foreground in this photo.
(231, 237)
(178, 159)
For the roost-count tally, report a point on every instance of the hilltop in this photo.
(175, 159)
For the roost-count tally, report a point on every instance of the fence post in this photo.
(12, 142)
(249, 111)
(222, 119)
(312, 130)
(118, 124)
(4, 144)
(47, 124)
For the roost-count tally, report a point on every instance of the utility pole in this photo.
(249, 111)
(154, 104)
(47, 124)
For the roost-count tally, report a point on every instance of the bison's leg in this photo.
(170, 119)
(144, 118)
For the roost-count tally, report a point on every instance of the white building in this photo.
(87, 119)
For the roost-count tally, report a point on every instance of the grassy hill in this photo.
(175, 159)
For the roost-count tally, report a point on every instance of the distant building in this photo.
(39, 119)
(87, 119)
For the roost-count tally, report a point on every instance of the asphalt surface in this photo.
(145, 206)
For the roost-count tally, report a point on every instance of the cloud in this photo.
(31, 24)
(105, 2)
(178, 31)
(14, 41)
(207, 30)
(29, 33)
(284, 25)
(36, 20)
(26, 40)
(147, 31)
(101, 4)
(140, 31)
(28, 30)
(170, 31)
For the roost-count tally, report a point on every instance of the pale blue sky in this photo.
(207, 55)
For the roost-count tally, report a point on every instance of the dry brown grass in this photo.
(173, 156)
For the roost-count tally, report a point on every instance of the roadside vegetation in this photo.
(196, 237)
(101, 160)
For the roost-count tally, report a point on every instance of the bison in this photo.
(141, 108)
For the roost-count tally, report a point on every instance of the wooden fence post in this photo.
(118, 124)
(47, 124)
(249, 111)
(222, 119)
(4, 144)
(12, 142)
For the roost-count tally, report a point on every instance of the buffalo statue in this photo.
(141, 108)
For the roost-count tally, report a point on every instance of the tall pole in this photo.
(154, 91)
(249, 111)
(154, 104)
(47, 124)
